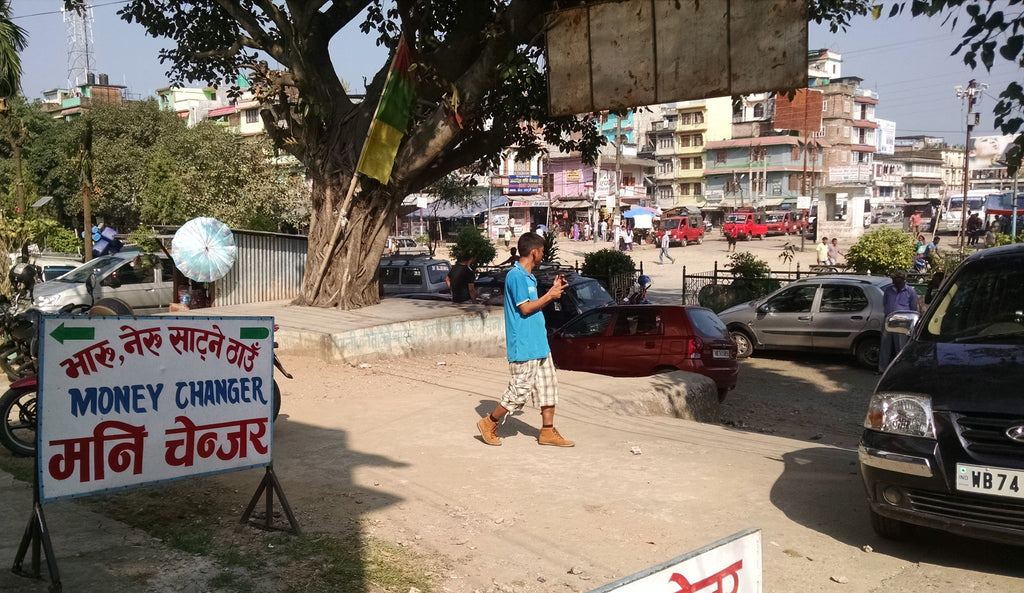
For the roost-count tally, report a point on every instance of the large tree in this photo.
(481, 58)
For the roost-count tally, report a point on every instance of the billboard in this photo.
(523, 185)
(885, 139)
(987, 151)
(611, 55)
(802, 113)
(125, 401)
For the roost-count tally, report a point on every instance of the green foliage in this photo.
(788, 252)
(1004, 239)
(881, 251)
(145, 238)
(470, 242)
(752, 278)
(422, 239)
(748, 266)
(550, 247)
(56, 237)
(605, 264)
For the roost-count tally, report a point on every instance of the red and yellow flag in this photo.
(390, 121)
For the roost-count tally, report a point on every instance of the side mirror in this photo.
(902, 322)
(90, 284)
(763, 308)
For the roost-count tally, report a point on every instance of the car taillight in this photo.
(693, 348)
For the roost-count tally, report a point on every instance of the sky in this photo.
(906, 60)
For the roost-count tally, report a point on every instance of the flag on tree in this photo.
(390, 121)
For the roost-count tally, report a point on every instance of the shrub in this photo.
(63, 240)
(752, 277)
(1004, 239)
(882, 251)
(605, 264)
(470, 242)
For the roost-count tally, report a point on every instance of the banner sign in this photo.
(522, 185)
(125, 401)
(572, 175)
(730, 565)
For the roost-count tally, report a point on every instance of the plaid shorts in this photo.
(534, 379)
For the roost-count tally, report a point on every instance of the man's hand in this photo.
(557, 287)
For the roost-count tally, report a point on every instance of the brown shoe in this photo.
(489, 430)
(550, 436)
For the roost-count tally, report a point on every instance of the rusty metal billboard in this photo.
(802, 113)
(614, 55)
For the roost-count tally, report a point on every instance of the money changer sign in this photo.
(134, 400)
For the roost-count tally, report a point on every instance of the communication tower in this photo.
(78, 25)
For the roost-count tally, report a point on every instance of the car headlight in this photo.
(47, 301)
(901, 413)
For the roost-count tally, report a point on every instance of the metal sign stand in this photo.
(36, 535)
(270, 485)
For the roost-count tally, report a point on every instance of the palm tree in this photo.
(13, 39)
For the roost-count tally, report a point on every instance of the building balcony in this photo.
(689, 174)
(690, 150)
(659, 151)
(666, 177)
(696, 127)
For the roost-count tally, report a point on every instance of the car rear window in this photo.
(389, 275)
(984, 302)
(707, 324)
(591, 294)
(438, 272)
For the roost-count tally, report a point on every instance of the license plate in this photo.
(990, 480)
(720, 353)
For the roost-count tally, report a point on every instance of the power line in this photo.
(25, 16)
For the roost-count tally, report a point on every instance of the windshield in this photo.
(775, 218)
(956, 205)
(670, 224)
(79, 274)
(985, 302)
(735, 218)
(592, 295)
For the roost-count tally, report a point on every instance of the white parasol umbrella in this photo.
(203, 249)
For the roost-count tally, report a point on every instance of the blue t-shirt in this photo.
(525, 335)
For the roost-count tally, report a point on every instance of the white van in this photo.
(952, 209)
(142, 280)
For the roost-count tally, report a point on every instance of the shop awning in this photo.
(570, 204)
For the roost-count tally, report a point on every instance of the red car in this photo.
(645, 339)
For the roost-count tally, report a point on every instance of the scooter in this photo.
(638, 292)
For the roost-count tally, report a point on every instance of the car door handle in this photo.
(150, 290)
(804, 318)
(649, 344)
(857, 317)
(592, 346)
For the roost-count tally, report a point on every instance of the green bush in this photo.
(145, 238)
(605, 264)
(63, 240)
(752, 277)
(1004, 239)
(470, 242)
(882, 251)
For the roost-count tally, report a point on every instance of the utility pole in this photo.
(973, 88)
(597, 180)
(618, 168)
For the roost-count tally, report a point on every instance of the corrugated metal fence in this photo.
(269, 268)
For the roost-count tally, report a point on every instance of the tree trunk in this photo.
(351, 279)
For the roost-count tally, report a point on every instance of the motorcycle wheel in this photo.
(19, 413)
(15, 363)
(277, 400)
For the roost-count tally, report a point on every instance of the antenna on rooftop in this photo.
(78, 25)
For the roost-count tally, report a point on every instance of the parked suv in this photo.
(943, 444)
(682, 230)
(401, 274)
(144, 281)
(833, 312)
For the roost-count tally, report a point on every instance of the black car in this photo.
(580, 295)
(943, 445)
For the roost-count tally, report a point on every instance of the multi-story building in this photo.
(922, 176)
(70, 103)
(678, 139)
(767, 171)
(191, 104)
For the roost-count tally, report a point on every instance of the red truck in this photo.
(785, 222)
(683, 229)
(744, 225)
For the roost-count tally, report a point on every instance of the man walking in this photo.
(529, 357)
(915, 223)
(822, 251)
(664, 249)
(896, 297)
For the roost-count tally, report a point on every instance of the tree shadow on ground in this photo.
(821, 489)
(194, 537)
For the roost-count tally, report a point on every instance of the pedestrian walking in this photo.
(822, 251)
(526, 342)
(628, 235)
(665, 241)
(604, 230)
(730, 238)
(508, 236)
(915, 223)
(895, 298)
(833, 252)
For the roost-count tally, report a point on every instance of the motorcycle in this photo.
(638, 292)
